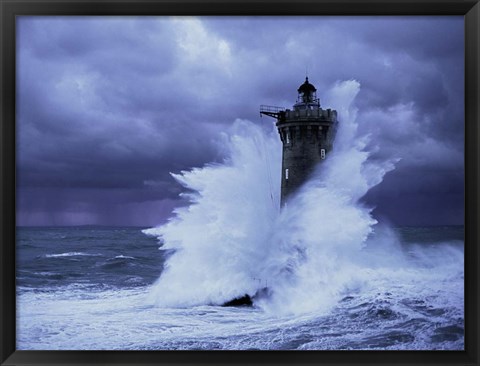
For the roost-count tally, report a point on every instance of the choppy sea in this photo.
(89, 288)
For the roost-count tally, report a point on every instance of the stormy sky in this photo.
(107, 107)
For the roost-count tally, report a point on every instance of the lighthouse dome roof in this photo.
(306, 87)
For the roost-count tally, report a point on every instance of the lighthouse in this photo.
(307, 132)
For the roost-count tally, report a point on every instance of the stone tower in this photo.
(307, 133)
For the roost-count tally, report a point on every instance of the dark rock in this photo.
(240, 301)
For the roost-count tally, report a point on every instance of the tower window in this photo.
(322, 153)
(286, 174)
(288, 138)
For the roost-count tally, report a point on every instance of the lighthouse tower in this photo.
(307, 132)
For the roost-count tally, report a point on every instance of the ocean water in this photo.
(326, 273)
(88, 288)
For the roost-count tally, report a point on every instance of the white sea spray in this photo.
(234, 239)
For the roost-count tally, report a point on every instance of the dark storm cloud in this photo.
(64, 206)
(107, 107)
(93, 116)
(407, 196)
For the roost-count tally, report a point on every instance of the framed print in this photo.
(215, 183)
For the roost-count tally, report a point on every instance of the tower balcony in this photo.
(310, 115)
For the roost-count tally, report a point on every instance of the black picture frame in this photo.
(10, 9)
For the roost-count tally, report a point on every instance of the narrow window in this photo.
(286, 174)
(288, 137)
(322, 153)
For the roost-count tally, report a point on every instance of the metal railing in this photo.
(271, 109)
